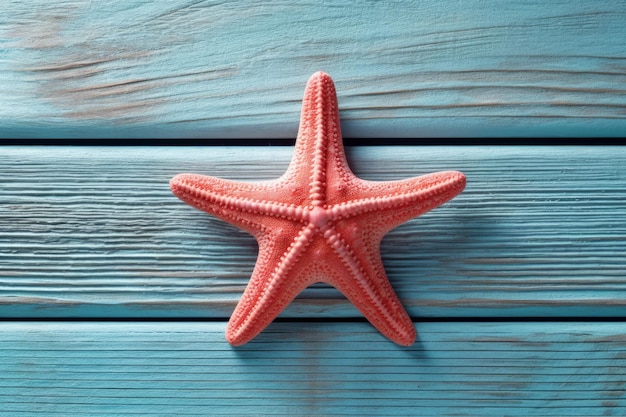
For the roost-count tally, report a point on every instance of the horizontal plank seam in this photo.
(469, 319)
(451, 141)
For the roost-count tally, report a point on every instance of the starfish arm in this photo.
(319, 153)
(275, 282)
(250, 206)
(359, 274)
(392, 203)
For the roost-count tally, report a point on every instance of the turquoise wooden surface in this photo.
(123, 68)
(305, 369)
(96, 232)
(92, 233)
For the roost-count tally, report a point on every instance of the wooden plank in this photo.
(131, 68)
(96, 232)
(297, 369)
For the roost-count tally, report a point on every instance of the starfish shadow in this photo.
(310, 338)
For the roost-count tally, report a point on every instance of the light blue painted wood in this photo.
(95, 232)
(79, 68)
(311, 369)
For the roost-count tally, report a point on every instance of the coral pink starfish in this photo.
(318, 223)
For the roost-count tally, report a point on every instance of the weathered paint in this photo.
(311, 369)
(122, 68)
(93, 232)
(96, 232)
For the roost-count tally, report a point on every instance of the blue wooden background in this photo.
(114, 295)
(125, 68)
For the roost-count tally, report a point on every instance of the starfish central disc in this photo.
(319, 217)
(336, 239)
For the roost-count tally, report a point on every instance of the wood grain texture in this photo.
(96, 232)
(131, 68)
(311, 369)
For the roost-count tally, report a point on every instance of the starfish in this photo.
(318, 222)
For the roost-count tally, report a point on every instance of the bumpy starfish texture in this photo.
(318, 223)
